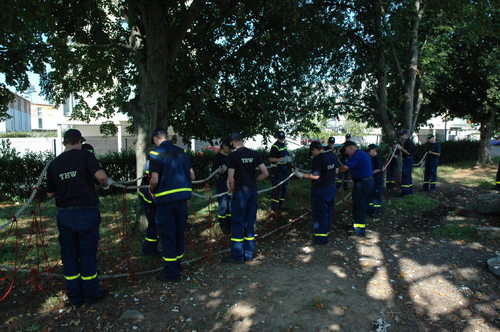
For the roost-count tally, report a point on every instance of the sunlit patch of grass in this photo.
(465, 232)
(411, 203)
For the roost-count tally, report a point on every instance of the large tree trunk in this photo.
(381, 75)
(486, 130)
(409, 89)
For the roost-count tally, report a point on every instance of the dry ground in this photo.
(409, 270)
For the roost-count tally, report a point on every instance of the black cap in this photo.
(349, 143)
(403, 132)
(88, 147)
(158, 132)
(430, 136)
(331, 140)
(348, 136)
(73, 135)
(315, 145)
(280, 134)
(372, 146)
(236, 137)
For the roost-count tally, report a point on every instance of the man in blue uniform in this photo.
(323, 173)
(360, 165)
(345, 177)
(170, 185)
(70, 179)
(392, 167)
(242, 183)
(407, 151)
(376, 199)
(150, 244)
(431, 164)
(330, 145)
(281, 160)
(221, 162)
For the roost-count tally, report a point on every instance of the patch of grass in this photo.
(463, 232)
(412, 203)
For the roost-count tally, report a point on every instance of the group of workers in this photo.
(74, 176)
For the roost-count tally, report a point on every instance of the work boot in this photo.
(229, 259)
(102, 295)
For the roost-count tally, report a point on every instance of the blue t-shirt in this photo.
(219, 160)
(435, 147)
(244, 161)
(408, 146)
(172, 165)
(71, 177)
(377, 164)
(360, 165)
(324, 165)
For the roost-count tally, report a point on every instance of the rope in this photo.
(423, 158)
(27, 202)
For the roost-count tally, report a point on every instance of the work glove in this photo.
(298, 174)
(287, 159)
(222, 169)
(110, 183)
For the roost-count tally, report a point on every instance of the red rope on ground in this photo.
(11, 285)
(210, 224)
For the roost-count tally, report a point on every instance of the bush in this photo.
(119, 166)
(19, 173)
(451, 151)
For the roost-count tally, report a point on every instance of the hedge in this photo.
(19, 173)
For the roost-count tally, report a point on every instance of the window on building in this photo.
(40, 123)
(39, 112)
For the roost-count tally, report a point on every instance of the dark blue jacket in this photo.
(174, 178)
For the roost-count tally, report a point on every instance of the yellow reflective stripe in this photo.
(180, 256)
(154, 153)
(173, 191)
(360, 225)
(425, 182)
(282, 199)
(72, 277)
(236, 240)
(370, 204)
(406, 185)
(321, 234)
(89, 278)
(498, 182)
(144, 198)
(274, 200)
(433, 182)
(221, 217)
(147, 172)
(150, 240)
(228, 215)
(249, 238)
(275, 146)
(166, 259)
(377, 205)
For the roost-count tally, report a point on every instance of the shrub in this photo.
(451, 151)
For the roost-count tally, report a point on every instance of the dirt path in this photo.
(400, 272)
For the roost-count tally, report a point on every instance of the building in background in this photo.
(20, 119)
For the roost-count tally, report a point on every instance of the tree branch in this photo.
(182, 28)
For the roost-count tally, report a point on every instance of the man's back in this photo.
(244, 161)
(71, 177)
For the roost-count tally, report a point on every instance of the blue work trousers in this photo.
(323, 204)
(150, 245)
(391, 175)
(376, 202)
(361, 196)
(224, 213)
(430, 174)
(278, 194)
(244, 214)
(78, 238)
(406, 178)
(171, 221)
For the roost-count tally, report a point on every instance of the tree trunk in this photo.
(418, 106)
(409, 93)
(381, 75)
(486, 130)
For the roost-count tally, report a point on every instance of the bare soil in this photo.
(401, 273)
